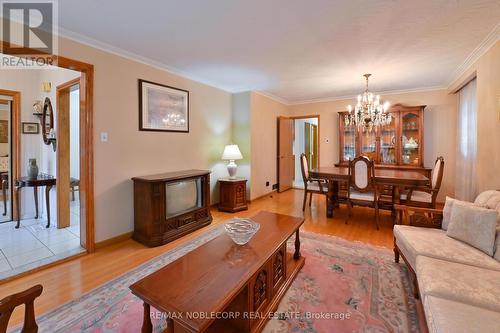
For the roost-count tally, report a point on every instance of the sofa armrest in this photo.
(420, 217)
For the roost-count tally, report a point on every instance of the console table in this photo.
(41, 180)
(220, 276)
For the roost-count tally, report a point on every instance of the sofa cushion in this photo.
(444, 315)
(448, 206)
(458, 282)
(489, 199)
(413, 241)
(474, 225)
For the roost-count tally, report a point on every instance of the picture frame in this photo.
(4, 131)
(30, 128)
(163, 108)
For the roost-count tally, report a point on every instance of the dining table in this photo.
(398, 178)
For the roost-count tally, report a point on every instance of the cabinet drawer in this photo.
(260, 289)
(278, 269)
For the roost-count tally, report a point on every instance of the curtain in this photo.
(465, 183)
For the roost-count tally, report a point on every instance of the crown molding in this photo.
(386, 92)
(273, 97)
(82, 39)
(479, 51)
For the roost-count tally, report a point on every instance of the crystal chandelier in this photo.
(369, 113)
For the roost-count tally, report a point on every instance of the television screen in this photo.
(183, 196)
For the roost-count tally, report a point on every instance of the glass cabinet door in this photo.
(369, 144)
(349, 147)
(410, 139)
(388, 143)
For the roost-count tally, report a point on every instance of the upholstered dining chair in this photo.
(26, 298)
(426, 196)
(311, 185)
(361, 188)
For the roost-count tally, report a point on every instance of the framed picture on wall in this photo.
(4, 131)
(30, 128)
(163, 108)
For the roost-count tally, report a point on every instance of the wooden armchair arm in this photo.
(320, 182)
(9, 303)
(421, 217)
(420, 189)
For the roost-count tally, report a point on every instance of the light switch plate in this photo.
(104, 137)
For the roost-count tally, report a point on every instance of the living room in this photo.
(156, 187)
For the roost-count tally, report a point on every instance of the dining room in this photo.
(381, 160)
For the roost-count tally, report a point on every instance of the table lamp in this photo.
(231, 153)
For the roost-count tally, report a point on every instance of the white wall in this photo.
(74, 132)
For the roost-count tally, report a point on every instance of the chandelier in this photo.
(369, 113)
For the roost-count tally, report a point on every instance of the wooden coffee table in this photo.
(224, 287)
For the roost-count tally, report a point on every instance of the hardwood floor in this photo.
(70, 280)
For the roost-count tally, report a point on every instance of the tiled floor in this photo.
(33, 245)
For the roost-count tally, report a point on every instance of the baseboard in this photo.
(262, 196)
(113, 240)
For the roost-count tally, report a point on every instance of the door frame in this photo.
(15, 133)
(86, 135)
(319, 131)
(62, 187)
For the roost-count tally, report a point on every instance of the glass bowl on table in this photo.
(241, 230)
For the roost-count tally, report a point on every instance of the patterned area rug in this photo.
(343, 287)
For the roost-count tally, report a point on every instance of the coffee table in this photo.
(224, 287)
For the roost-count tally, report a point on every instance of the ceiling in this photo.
(295, 50)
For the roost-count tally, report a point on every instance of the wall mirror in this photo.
(48, 133)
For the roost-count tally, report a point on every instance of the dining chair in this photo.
(26, 298)
(426, 196)
(361, 187)
(311, 185)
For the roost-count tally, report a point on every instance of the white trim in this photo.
(273, 97)
(81, 39)
(479, 51)
(387, 92)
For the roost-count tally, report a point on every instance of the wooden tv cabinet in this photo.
(152, 226)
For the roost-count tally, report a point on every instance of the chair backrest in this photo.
(304, 167)
(9, 303)
(361, 173)
(437, 173)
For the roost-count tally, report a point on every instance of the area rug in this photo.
(343, 287)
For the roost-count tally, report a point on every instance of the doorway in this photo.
(296, 136)
(305, 141)
(49, 218)
(6, 107)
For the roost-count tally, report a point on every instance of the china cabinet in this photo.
(397, 145)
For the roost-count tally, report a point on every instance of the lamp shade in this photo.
(232, 152)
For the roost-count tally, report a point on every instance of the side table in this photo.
(233, 194)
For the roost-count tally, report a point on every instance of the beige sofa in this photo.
(459, 286)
